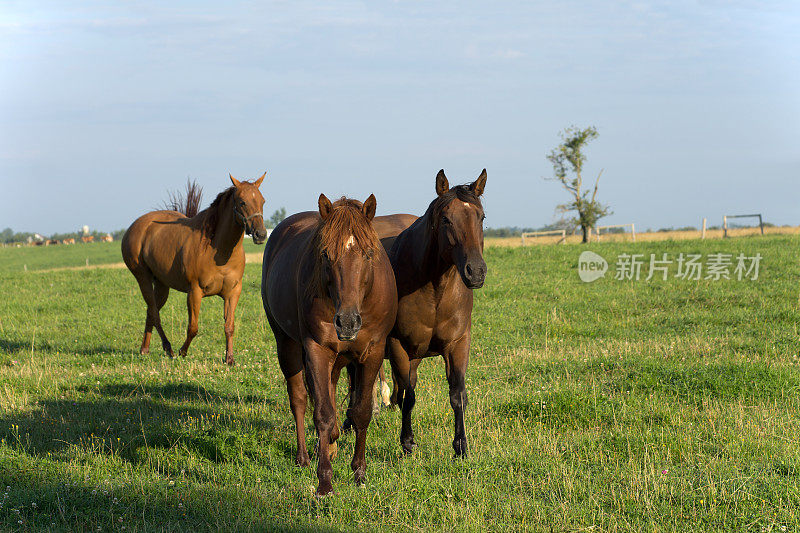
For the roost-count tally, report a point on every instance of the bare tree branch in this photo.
(594, 195)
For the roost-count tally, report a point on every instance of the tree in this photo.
(276, 218)
(567, 159)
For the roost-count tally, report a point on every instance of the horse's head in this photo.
(248, 207)
(346, 245)
(457, 221)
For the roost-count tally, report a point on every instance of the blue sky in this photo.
(106, 106)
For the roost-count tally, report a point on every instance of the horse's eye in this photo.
(483, 217)
(446, 220)
(370, 253)
(325, 255)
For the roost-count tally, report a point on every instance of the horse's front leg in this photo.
(456, 361)
(230, 309)
(193, 300)
(319, 364)
(335, 432)
(361, 411)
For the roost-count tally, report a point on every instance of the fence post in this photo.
(703, 234)
(725, 226)
(761, 223)
(633, 232)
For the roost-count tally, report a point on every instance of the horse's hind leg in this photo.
(146, 286)
(290, 357)
(161, 293)
(193, 300)
(404, 385)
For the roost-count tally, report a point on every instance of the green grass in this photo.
(34, 258)
(662, 405)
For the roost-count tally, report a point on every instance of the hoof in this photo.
(359, 477)
(228, 360)
(302, 460)
(324, 490)
(144, 351)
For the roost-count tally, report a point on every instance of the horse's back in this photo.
(161, 243)
(388, 227)
(141, 232)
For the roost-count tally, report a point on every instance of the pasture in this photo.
(615, 405)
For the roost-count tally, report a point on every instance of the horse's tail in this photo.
(187, 203)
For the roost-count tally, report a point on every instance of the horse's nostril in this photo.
(338, 321)
(469, 270)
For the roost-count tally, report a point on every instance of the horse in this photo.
(200, 255)
(437, 261)
(329, 295)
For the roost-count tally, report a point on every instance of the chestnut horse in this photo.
(437, 262)
(330, 298)
(201, 256)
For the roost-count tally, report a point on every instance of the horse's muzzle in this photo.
(259, 236)
(347, 325)
(474, 273)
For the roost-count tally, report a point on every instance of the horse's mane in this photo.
(212, 212)
(460, 192)
(332, 235)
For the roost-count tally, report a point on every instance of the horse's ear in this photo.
(479, 184)
(259, 180)
(325, 206)
(368, 208)
(442, 186)
(235, 182)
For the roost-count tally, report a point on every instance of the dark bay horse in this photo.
(329, 295)
(201, 256)
(437, 262)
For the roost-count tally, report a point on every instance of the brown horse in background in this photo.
(437, 262)
(200, 255)
(329, 295)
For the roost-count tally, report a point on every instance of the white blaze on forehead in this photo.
(466, 204)
(350, 242)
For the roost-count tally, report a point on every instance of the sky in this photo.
(106, 107)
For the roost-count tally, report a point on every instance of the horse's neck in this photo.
(428, 265)
(228, 234)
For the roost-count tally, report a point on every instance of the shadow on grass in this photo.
(134, 422)
(10, 346)
(180, 392)
(44, 346)
(54, 502)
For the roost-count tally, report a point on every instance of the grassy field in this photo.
(615, 405)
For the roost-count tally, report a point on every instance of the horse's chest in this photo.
(218, 282)
(427, 326)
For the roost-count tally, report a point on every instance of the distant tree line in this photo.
(8, 235)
